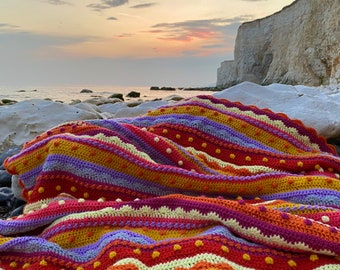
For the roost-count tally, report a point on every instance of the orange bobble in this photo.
(199, 243)
(71, 239)
(225, 249)
(269, 260)
(155, 254)
(177, 247)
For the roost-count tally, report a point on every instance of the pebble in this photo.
(10, 206)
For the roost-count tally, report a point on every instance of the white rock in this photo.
(25, 120)
(315, 107)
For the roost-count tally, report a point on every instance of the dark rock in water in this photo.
(165, 88)
(133, 94)
(154, 88)
(6, 101)
(117, 95)
(86, 91)
(7, 153)
(5, 179)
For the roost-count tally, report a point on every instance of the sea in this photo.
(68, 94)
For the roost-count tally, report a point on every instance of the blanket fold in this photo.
(203, 183)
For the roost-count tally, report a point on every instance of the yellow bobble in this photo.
(282, 161)
(218, 151)
(86, 195)
(73, 189)
(292, 263)
(165, 131)
(317, 167)
(41, 190)
(190, 139)
(246, 257)
(112, 254)
(30, 193)
(265, 159)
(26, 265)
(198, 243)
(232, 156)
(96, 264)
(80, 268)
(43, 263)
(225, 249)
(300, 164)
(137, 251)
(269, 260)
(204, 145)
(177, 247)
(314, 257)
(58, 188)
(13, 264)
(178, 136)
(155, 254)
(248, 158)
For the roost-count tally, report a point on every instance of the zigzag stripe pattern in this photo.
(203, 183)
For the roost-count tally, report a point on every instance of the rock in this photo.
(86, 91)
(317, 108)
(173, 98)
(166, 88)
(5, 179)
(117, 95)
(154, 88)
(24, 120)
(133, 104)
(6, 101)
(17, 211)
(7, 153)
(133, 94)
(298, 45)
(75, 101)
(100, 101)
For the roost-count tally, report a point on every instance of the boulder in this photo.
(86, 91)
(117, 95)
(315, 107)
(24, 120)
(133, 94)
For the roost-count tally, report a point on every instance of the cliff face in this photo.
(298, 45)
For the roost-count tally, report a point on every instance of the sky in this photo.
(177, 43)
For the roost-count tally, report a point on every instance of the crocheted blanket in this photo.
(200, 184)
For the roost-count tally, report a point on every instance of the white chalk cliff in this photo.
(298, 45)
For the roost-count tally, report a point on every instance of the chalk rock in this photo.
(316, 107)
(298, 45)
(25, 120)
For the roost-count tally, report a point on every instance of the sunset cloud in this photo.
(6, 25)
(106, 4)
(57, 2)
(146, 5)
(187, 31)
